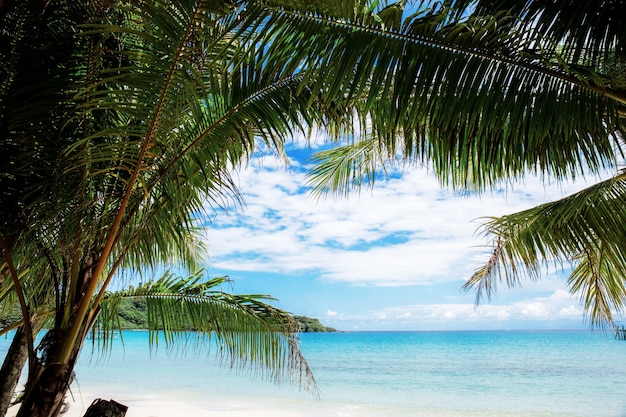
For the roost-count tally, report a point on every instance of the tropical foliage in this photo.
(122, 121)
(488, 91)
(132, 314)
(180, 309)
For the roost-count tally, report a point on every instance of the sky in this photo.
(392, 257)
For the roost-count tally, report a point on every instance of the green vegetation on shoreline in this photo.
(311, 325)
(133, 316)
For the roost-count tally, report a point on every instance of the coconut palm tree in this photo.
(123, 128)
(489, 91)
(183, 310)
(120, 130)
(143, 113)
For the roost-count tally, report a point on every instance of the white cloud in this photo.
(406, 231)
(558, 306)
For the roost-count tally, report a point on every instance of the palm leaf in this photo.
(466, 93)
(600, 284)
(342, 168)
(586, 228)
(584, 31)
(244, 328)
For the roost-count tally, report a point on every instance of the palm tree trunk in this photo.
(14, 362)
(48, 381)
(47, 393)
(12, 367)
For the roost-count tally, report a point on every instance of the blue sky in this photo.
(388, 258)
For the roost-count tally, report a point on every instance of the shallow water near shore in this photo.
(367, 374)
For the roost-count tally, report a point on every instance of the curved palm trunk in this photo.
(11, 370)
(14, 363)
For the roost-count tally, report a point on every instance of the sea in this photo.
(381, 374)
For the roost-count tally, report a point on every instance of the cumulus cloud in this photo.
(408, 230)
(559, 305)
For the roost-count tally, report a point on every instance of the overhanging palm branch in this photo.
(244, 328)
(210, 132)
(586, 229)
(166, 104)
(584, 30)
(484, 92)
(160, 99)
(467, 94)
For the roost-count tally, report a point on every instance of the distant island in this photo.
(134, 315)
(310, 325)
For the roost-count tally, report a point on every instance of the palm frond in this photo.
(586, 228)
(340, 169)
(466, 93)
(586, 31)
(244, 328)
(599, 281)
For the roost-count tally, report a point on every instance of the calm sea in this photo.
(384, 374)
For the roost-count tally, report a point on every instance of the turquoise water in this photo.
(384, 374)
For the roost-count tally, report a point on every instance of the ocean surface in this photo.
(384, 374)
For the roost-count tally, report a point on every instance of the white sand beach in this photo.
(168, 408)
(172, 407)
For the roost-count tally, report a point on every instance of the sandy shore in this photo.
(171, 407)
(167, 408)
